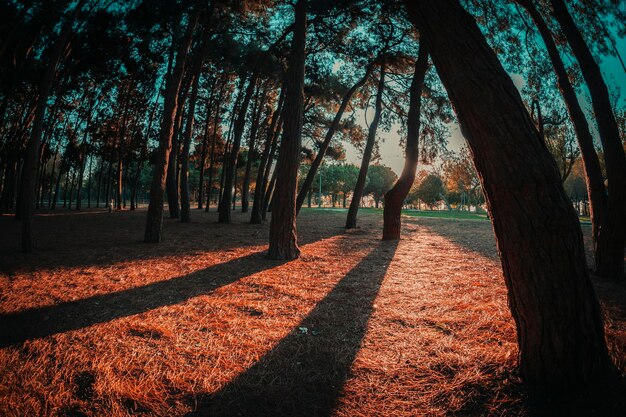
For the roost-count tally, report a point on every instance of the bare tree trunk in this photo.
(185, 204)
(612, 233)
(394, 198)
(205, 142)
(283, 242)
(261, 178)
(230, 162)
(559, 323)
(256, 118)
(171, 182)
(216, 120)
(154, 219)
(269, 194)
(367, 154)
(90, 172)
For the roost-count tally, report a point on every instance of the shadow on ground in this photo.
(41, 322)
(305, 373)
(96, 237)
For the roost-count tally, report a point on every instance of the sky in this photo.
(392, 154)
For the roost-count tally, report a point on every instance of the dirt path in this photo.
(102, 324)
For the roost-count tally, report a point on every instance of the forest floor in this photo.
(97, 323)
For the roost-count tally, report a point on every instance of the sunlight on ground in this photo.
(356, 326)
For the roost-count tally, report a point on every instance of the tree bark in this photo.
(308, 181)
(154, 219)
(559, 323)
(612, 233)
(367, 154)
(394, 198)
(283, 242)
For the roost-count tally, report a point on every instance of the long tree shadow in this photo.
(45, 321)
(305, 373)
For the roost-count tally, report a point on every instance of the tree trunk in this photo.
(308, 181)
(154, 219)
(171, 182)
(245, 188)
(205, 142)
(261, 178)
(367, 154)
(559, 323)
(591, 163)
(216, 120)
(394, 198)
(267, 198)
(283, 242)
(612, 233)
(100, 174)
(230, 163)
(90, 172)
(185, 205)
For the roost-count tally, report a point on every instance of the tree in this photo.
(283, 236)
(380, 180)
(430, 190)
(559, 324)
(394, 198)
(367, 152)
(612, 233)
(306, 185)
(461, 177)
(593, 173)
(154, 219)
(30, 161)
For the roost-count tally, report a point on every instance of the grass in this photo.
(437, 214)
(99, 323)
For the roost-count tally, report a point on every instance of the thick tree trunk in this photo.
(308, 181)
(154, 219)
(261, 178)
(591, 163)
(558, 318)
(283, 242)
(230, 162)
(394, 198)
(367, 154)
(612, 233)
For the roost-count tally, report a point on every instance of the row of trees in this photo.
(106, 91)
